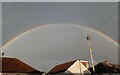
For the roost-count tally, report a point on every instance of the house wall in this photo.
(78, 68)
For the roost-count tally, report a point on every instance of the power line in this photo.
(102, 25)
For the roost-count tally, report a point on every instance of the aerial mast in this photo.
(90, 49)
(1, 53)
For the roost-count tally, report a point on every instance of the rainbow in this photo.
(44, 26)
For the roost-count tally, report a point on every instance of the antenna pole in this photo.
(1, 52)
(90, 49)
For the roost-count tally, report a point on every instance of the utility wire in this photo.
(103, 24)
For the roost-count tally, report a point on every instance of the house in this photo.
(14, 66)
(106, 67)
(75, 67)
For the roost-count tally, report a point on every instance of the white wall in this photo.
(77, 68)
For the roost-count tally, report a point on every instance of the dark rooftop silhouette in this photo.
(106, 67)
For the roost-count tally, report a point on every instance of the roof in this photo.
(103, 67)
(14, 65)
(62, 67)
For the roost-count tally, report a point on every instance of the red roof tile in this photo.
(62, 67)
(14, 65)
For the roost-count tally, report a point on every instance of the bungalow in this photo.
(14, 66)
(75, 67)
(106, 68)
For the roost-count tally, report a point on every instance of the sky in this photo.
(60, 0)
(46, 34)
(0, 24)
